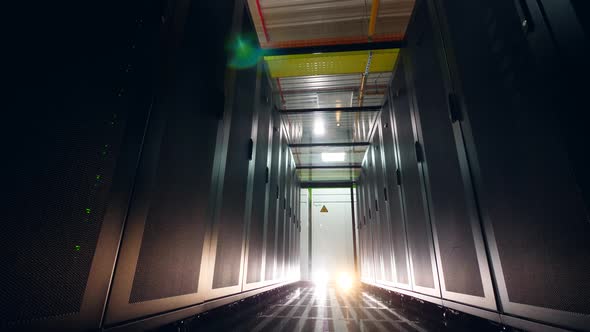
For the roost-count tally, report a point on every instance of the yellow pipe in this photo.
(373, 20)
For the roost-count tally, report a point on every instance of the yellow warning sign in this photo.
(324, 209)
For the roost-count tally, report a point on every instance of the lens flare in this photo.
(345, 281)
(243, 52)
(320, 279)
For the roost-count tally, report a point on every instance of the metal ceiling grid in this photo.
(331, 127)
(324, 100)
(308, 76)
(328, 174)
(326, 83)
(315, 155)
(332, 90)
(292, 23)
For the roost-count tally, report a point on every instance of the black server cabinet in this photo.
(378, 246)
(297, 221)
(394, 206)
(73, 138)
(462, 262)
(274, 200)
(295, 237)
(231, 209)
(360, 226)
(281, 206)
(419, 235)
(295, 227)
(380, 210)
(374, 264)
(369, 222)
(77, 137)
(529, 183)
(366, 224)
(167, 233)
(291, 213)
(260, 191)
(298, 229)
(228, 235)
(301, 221)
(373, 247)
(288, 214)
(298, 247)
(294, 220)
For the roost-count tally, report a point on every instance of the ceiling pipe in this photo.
(362, 90)
(373, 20)
(372, 24)
(281, 92)
(364, 79)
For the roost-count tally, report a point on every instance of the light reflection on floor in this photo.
(329, 308)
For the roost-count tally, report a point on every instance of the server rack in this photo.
(394, 206)
(541, 202)
(462, 263)
(476, 104)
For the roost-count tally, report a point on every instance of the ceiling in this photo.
(329, 86)
(282, 23)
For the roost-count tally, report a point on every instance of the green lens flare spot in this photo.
(88, 210)
(244, 52)
(77, 248)
(98, 177)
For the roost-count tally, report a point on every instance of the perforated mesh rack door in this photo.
(67, 165)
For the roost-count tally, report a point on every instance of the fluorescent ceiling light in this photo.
(318, 128)
(332, 156)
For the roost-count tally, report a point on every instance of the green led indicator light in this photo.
(98, 177)
(88, 210)
(77, 248)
